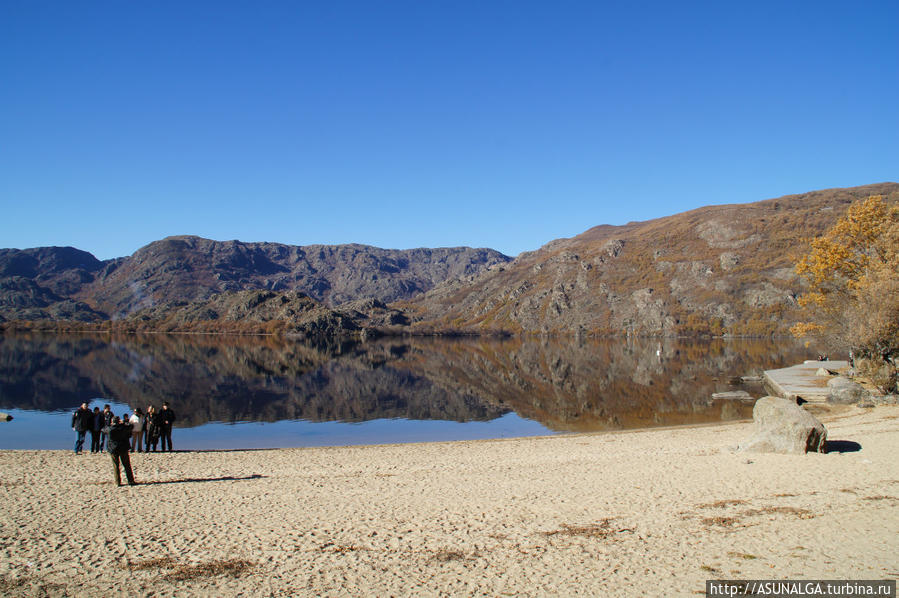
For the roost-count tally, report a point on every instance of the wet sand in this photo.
(621, 514)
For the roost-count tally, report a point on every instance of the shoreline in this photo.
(66, 327)
(655, 511)
(702, 424)
(709, 424)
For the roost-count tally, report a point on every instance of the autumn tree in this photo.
(853, 294)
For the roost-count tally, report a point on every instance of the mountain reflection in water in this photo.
(564, 384)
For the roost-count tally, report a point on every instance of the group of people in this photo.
(137, 432)
(147, 429)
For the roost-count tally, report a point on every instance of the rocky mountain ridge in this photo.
(717, 270)
(64, 283)
(725, 269)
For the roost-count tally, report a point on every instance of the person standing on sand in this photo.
(82, 421)
(117, 443)
(137, 431)
(96, 427)
(166, 419)
(152, 423)
(107, 421)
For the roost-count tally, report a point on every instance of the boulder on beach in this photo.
(844, 391)
(782, 426)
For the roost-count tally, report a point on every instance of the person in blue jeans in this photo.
(82, 422)
(96, 429)
(107, 416)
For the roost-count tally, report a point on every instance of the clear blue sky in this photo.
(427, 123)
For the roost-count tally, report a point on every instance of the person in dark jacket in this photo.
(145, 423)
(118, 442)
(153, 425)
(107, 421)
(82, 421)
(97, 424)
(166, 418)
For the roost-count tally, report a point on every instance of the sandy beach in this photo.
(650, 513)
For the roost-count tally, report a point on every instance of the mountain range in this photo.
(64, 283)
(714, 270)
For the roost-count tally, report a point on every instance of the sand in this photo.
(651, 513)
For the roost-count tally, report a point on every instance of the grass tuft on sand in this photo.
(182, 572)
(602, 529)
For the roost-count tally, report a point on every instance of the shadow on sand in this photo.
(842, 446)
(190, 480)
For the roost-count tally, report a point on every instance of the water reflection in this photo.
(589, 385)
(565, 385)
(226, 379)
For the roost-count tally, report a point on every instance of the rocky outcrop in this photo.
(61, 271)
(714, 270)
(843, 391)
(291, 313)
(23, 299)
(782, 426)
(374, 314)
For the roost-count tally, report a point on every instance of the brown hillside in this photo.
(243, 312)
(190, 268)
(719, 269)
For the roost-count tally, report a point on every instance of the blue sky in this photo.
(427, 123)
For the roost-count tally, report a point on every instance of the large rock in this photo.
(782, 426)
(845, 392)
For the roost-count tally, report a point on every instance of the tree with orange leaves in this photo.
(853, 277)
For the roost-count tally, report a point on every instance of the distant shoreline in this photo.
(101, 328)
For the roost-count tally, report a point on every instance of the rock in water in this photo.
(845, 392)
(782, 426)
(733, 395)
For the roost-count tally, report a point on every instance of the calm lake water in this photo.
(259, 392)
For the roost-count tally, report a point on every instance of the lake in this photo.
(232, 392)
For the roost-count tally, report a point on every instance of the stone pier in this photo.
(803, 380)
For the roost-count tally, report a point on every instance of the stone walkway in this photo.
(802, 380)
